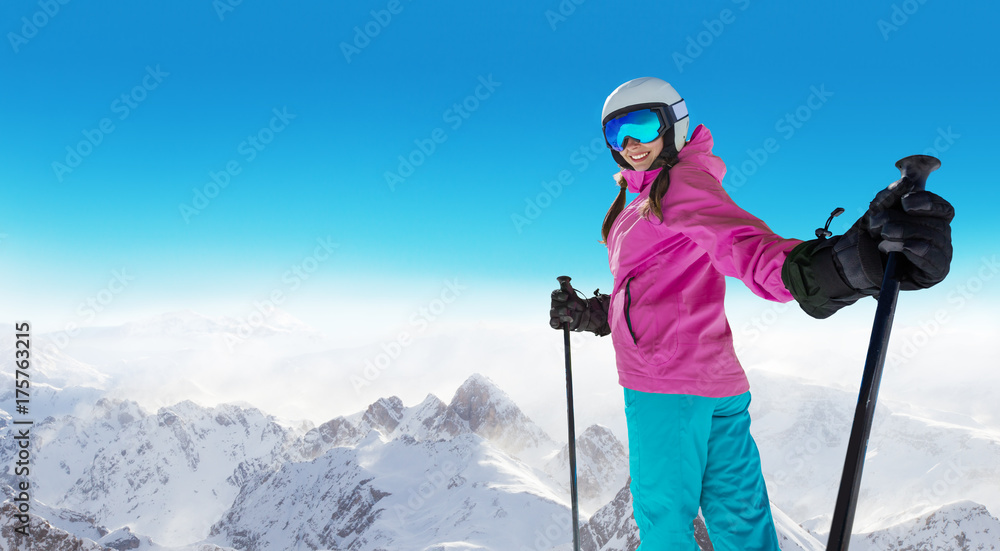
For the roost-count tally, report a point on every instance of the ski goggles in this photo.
(643, 124)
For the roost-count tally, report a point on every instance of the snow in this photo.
(913, 464)
(961, 525)
(472, 473)
(167, 474)
(601, 467)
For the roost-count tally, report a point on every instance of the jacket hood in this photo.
(697, 151)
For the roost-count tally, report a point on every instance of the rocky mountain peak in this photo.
(490, 413)
(482, 404)
(384, 414)
(959, 525)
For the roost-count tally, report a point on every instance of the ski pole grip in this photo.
(564, 284)
(917, 168)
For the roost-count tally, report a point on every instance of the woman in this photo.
(686, 395)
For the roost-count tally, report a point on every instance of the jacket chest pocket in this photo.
(628, 307)
(649, 318)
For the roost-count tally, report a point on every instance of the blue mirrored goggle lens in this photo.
(643, 125)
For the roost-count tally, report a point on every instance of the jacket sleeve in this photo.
(739, 244)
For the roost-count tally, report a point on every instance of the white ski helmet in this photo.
(649, 92)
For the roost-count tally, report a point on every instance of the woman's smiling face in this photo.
(641, 155)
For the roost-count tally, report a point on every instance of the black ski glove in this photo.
(824, 275)
(581, 314)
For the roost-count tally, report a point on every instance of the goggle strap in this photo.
(679, 110)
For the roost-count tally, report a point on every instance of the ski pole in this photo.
(914, 168)
(566, 287)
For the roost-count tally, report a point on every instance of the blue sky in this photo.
(116, 120)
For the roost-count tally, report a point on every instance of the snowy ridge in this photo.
(913, 465)
(168, 475)
(50, 401)
(478, 407)
(612, 527)
(475, 473)
(601, 467)
(52, 366)
(42, 534)
(958, 526)
(399, 494)
(490, 413)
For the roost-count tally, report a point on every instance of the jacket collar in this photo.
(639, 180)
(697, 151)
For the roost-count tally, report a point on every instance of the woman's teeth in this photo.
(639, 157)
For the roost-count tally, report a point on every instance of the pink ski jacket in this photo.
(668, 324)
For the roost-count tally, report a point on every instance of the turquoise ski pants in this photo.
(689, 451)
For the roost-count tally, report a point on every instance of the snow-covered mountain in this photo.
(958, 526)
(52, 366)
(167, 474)
(472, 473)
(43, 534)
(478, 407)
(601, 467)
(913, 466)
(394, 494)
(186, 473)
(390, 476)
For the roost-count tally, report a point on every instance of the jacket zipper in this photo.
(628, 306)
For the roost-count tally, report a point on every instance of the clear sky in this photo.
(373, 150)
